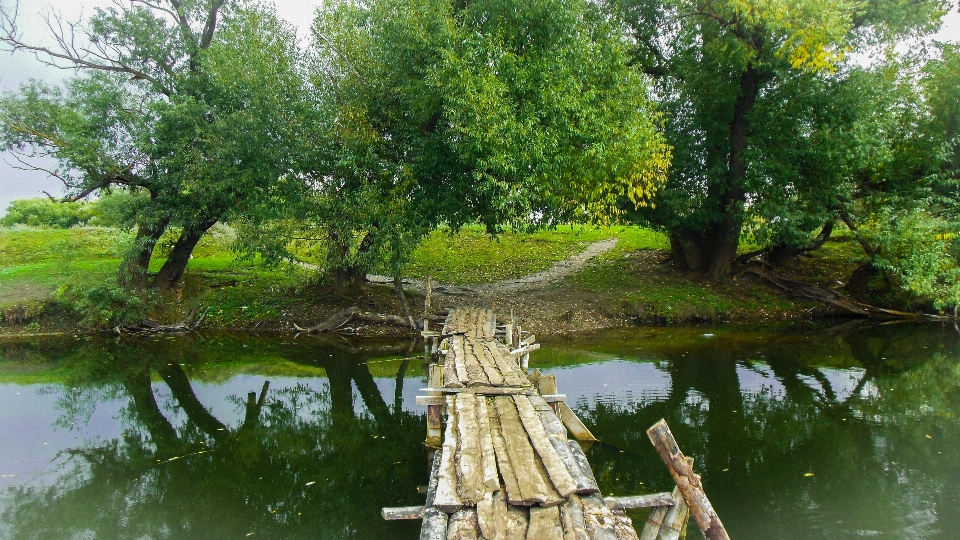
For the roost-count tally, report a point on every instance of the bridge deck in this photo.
(506, 469)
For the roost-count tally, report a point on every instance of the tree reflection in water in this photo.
(882, 448)
(299, 462)
(871, 412)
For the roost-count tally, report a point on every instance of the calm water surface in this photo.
(845, 432)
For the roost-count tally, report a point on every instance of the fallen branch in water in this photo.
(147, 326)
(341, 318)
(837, 300)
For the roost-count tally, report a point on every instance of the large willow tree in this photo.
(197, 107)
(490, 111)
(758, 114)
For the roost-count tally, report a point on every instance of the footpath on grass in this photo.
(556, 282)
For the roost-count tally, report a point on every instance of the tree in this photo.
(722, 69)
(487, 111)
(200, 105)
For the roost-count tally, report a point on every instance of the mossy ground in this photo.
(42, 272)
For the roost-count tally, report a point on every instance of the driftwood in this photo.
(341, 318)
(687, 481)
(837, 300)
(147, 326)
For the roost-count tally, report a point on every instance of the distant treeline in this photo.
(109, 210)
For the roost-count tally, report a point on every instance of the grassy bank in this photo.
(47, 277)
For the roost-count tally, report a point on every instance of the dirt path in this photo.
(560, 269)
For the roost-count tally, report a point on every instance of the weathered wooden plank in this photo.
(464, 525)
(545, 524)
(672, 520)
(508, 367)
(651, 530)
(402, 512)
(598, 519)
(554, 465)
(553, 497)
(491, 480)
(522, 456)
(584, 480)
(435, 410)
(459, 362)
(510, 484)
(551, 422)
(472, 363)
(516, 523)
(450, 378)
(688, 482)
(447, 498)
(547, 384)
(488, 390)
(589, 481)
(469, 466)
(574, 424)
(640, 501)
(623, 526)
(434, 526)
(488, 364)
(571, 515)
(491, 513)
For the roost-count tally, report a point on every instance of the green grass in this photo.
(472, 256)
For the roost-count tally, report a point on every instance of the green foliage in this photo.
(769, 119)
(43, 212)
(105, 304)
(454, 114)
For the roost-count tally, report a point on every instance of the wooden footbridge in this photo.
(503, 467)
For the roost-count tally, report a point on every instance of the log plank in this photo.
(556, 469)
(687, 481)
(469, 466)
(522, 456)
(447, 498)
(545, 524)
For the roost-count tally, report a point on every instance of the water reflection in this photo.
(295, 458)
(827, 434)
(799, 433)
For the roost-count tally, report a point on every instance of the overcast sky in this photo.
(18, 68)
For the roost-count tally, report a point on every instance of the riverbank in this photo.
(563, 281)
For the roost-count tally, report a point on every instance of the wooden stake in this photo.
(687, 481)
(574, 424)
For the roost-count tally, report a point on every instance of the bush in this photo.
(47, 213)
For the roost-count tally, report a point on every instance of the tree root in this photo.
(147, 326)
(340, 319)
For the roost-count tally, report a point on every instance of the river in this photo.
(798, 431)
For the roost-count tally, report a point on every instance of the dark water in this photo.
(799, 433)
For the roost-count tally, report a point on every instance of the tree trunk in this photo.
(713, 249)
(346, 270)
(133, 272)
(172, 270)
